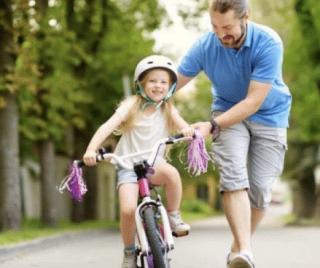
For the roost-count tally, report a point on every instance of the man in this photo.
(251, 106)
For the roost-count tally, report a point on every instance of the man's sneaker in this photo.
(239, 260)
(230, 258)
(129, 259)
(178, 227)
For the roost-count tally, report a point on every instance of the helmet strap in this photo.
(149, 101)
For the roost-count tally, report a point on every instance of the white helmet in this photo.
(155, 61)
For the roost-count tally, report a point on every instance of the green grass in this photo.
(191, 216)
(191, 210)
(33, 229)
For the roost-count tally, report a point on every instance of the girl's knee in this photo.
(128, 211)
(167, 173)
(171, 171)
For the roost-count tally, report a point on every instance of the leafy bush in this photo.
(196, 206)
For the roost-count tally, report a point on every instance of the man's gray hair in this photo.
(239, 6)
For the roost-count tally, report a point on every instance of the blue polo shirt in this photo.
(230, 71)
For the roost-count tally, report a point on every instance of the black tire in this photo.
(153, 235)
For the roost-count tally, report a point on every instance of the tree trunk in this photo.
(304, 197)
(10, 203)
(83, 31)
(10, 193)
(317, 205)
(47, 163)
(91, 196)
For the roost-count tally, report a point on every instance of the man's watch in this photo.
(215, 129)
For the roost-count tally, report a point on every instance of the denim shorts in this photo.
(126, 176)
(250, 156)
(129, 176)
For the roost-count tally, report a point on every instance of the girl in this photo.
(142, 120)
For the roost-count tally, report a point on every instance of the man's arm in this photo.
(256, 95)
(183, 80)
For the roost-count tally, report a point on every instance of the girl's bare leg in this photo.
(167, 175)
(128, 196)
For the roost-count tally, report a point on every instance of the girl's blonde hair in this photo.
(136, 110)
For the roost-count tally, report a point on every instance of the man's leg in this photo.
(237, 210)
(265, 164)
(256, 217)
(230, 152)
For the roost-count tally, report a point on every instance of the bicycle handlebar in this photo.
(104, 155)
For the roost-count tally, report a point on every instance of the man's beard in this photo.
(234, 43)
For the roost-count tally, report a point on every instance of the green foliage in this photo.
(196, 206)
(196, 104)
(117, 56)
(190, 12)
(70, 61)
(304, 84)
(297, 21)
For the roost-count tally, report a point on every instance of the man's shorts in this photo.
(250, 156)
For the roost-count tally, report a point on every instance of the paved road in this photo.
(275, 247)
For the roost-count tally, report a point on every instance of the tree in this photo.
(299, 27)
(113, 37)
(305, 133)
(49, 99)
(10, 202)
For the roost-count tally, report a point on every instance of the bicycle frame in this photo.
(144, 249)
(154, 238)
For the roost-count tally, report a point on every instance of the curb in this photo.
(15, 250)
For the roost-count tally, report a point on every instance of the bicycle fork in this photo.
(141, 233)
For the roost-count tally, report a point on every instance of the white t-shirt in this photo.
(144, 134)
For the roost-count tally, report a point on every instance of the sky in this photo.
(176, 39)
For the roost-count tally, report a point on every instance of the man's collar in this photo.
(247, 42)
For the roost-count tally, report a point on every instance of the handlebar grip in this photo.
(172, 139)
(101, 151)
(104, 150)
(79, 163)
(178, 136)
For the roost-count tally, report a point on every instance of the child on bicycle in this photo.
(142, 120)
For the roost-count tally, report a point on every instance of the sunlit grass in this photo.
(33, 229)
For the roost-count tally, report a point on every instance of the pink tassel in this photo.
(197, 155)
(74, 183)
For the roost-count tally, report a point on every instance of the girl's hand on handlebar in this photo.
(187, 131)
(89, 158)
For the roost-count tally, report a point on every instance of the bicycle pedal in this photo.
(180, 234)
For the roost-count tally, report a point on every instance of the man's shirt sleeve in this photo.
(267, 65)
(191, 63)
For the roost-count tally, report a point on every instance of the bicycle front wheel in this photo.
(154, 239)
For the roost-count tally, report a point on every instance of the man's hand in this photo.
(187, 131)
(204, 128)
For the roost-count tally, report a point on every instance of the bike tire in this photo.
(153, 236)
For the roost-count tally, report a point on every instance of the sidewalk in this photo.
(272, 219)
(11, 251)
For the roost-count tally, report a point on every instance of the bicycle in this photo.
(153, 232)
